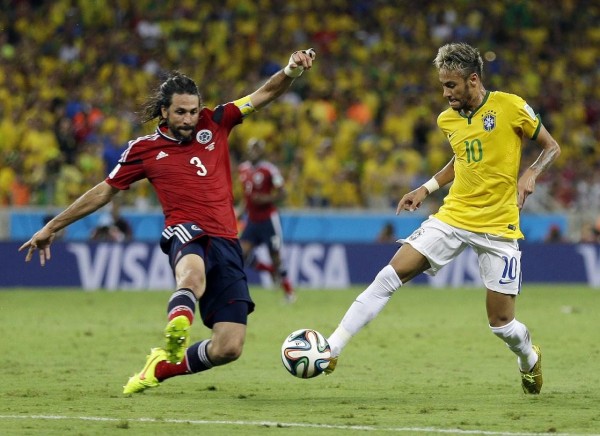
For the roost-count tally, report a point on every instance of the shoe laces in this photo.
(529, 378)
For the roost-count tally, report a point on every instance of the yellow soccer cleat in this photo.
(145, 378)
(332, 364)
(532, 381)
(177, 334)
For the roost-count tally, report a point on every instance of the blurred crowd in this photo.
(357, 131)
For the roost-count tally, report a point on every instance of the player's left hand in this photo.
(525, 188)
(40, 241)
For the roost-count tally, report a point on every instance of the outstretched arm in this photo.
(280, 81)
(550, 151)
(412, 201)
(89, 202)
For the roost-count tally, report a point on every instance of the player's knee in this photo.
(499, 320)
(232, 352)
(226, 353)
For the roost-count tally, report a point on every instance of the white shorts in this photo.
(499, 258)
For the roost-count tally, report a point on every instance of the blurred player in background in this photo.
(486, 131)
(263, 189)
(187, 162)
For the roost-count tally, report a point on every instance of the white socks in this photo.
(373, 299)
(516, 336)
(366, 307)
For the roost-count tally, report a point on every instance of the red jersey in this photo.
(263, 178)
(192, 179)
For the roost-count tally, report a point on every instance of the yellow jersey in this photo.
(487, 156)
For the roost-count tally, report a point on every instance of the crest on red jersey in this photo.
(204, 136)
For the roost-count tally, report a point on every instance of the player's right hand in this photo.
(412, 201)
(40, 241)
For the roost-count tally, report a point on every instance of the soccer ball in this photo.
(305, 353)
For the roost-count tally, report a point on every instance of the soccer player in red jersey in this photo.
(187, 162)
(263, 187)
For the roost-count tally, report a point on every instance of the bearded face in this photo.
(182, 116)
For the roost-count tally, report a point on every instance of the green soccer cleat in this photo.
(177, 334)
(145, 378)
(332, 364)
(532, 381)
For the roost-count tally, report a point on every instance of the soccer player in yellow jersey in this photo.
(486, 131)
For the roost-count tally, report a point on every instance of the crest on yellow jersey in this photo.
(489, 121)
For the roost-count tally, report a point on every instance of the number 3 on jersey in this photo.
(198, 164)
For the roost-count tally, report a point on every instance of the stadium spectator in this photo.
(112, 148)
(106, 230)
(377, 171)
(318, 170)
(111, 55)
(554, 235)
(347, 193)
(263, 189)
(63, 130)
(187, 161)
(387, 234)
(485, 130)
(39, 162)
(112, 226)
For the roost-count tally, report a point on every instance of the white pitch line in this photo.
(291, 424)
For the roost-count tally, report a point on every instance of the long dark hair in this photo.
(176, 83)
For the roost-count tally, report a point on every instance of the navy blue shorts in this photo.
(263, 232)
(226, 282)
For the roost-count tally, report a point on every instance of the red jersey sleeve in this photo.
(227, 115)
(130, 168)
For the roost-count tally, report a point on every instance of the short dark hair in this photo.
(176, 83)
(461, 57)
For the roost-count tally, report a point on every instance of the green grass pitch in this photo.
(427, 365)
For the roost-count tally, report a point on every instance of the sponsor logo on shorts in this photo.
(416, 234)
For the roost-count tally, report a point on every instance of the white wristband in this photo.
(431, 185)
(297, 72)
(293, 72)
